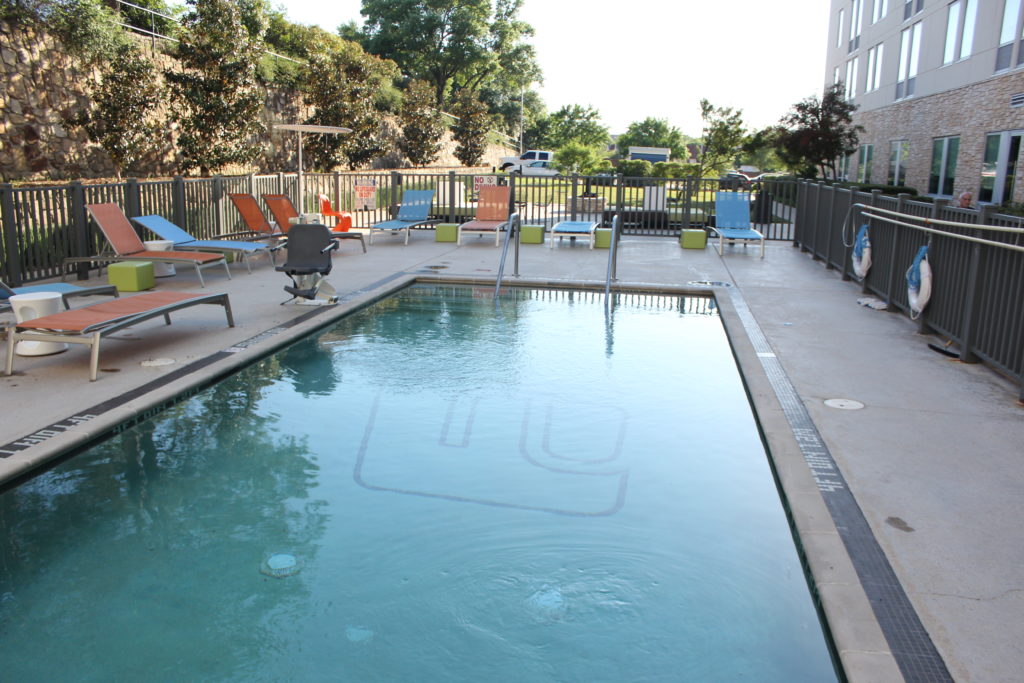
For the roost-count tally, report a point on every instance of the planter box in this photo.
(693, 239)
(446, 232)
(131, 276)
(532, 234)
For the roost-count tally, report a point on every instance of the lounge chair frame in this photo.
(169, 231)
(572, 230)
(732, 220)
(413, 211)
(91, 335)
(66, 291)
(492, 213)
(109, 213)
(283, 210)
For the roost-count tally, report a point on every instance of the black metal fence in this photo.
(41, 226)
(977, 299)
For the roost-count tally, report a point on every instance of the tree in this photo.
(341, 82)
(573, 123)
(577, 157)
(817, 133)
(218, 101)
(470, 131)
(455, 45)
(422, 125)
(652, 132)
(721, 138)
(125, 99)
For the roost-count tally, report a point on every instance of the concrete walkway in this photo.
(932, 459)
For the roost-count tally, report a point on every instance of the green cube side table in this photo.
(693, 239)
(531, 234)
(603, 238)
(131, 276)
(446, 232)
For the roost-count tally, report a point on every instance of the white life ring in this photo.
(862, 253)
(919, 282)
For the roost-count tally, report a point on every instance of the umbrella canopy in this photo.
(301, 128)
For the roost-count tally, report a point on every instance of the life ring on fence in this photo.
(862, 253)
(919, 282)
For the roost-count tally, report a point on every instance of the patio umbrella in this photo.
(301, 128)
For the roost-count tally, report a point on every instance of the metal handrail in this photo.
(513, 233)
(932, 231)
(613, 252)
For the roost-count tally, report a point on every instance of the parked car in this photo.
(537, 168)
(733, 180)
(525, 159)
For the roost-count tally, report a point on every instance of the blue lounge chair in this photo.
(732, 219)
(65, 290)
(414, 210)
(182, 240)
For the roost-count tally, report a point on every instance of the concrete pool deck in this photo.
(932, 459)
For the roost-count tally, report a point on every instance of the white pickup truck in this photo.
(530, 162)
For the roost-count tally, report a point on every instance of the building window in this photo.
(899, 151)
(874, 68)
(839, 29)
(879, 10)
(910, 49)
(856, 19)
(1008, 35)
(864, 157)
(851, 78)
(960, 19)
(912, 7)
(844, 167)
(944, 155)
(999, 167)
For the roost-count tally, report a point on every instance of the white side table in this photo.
(29, 307)
(161, 269)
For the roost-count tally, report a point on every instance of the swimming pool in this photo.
(529, 492)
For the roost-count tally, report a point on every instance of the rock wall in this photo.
(44, 89)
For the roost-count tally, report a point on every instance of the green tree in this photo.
(455, 45)
(471, 130)
(721, 138)
(422, 125)
(652, 132)
(341, 82)
(817, 133)
(573, 123)
(86, 28)
(577, 157)
(124, 101)
(218, 101)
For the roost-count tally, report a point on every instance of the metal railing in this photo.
(976, 257)
(41, 226)
(512, 234)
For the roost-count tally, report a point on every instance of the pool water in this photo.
(438, 488)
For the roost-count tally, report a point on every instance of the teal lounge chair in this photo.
(732, 219)
(183, 240)
(65, 290)
(414, 210)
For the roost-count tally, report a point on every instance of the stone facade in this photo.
(970, 112)
(43, 88)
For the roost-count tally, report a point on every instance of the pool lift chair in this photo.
(308, 263)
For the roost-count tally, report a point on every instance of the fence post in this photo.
(845, 265)
(218, 203)
(395, 195)
(178, 199)
(132, 202)
(451, 196)
(922, 320)
(901, 204)
(973, 296)
(618, 198)
(875, 195)
(573, 197)
(337, 191)
(80, 228)
(817, 211)
(12, 255)
(830, 227)
(280, 182)
(799, 220)
(252, 184)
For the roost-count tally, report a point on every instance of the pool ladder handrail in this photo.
(613, 257)
(513, 234)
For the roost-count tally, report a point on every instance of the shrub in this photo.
(636, 168)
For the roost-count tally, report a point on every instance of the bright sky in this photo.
(631, 59)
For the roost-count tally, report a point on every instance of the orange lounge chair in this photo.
(87, 325)
(258, 225)
(283, 210)
(127, 246)
(491, 213)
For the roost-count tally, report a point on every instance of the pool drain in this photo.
(280, 565)
(844, 403)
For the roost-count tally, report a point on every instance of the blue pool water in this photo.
(427, 491)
